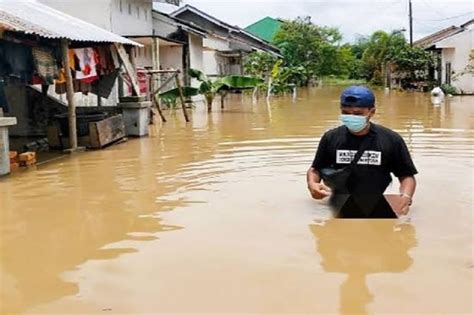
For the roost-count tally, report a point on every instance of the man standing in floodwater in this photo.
(354, 162)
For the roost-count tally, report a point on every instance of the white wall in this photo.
(456, 49)
(143, 56)
(132, 17)
(163, 25)
(210, 62)
(171, 57)
(196, 56)
(97, 12)
(216, 43)
(112, 15)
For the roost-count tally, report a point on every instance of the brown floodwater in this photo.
(214, 217)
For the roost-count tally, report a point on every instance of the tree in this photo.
(308, 47)
(383, 48)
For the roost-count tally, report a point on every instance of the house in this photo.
(455, 47)
(180, 43)
(34, 40)
(457, 54)
(265, 28)
(129, 18)
(225, 46)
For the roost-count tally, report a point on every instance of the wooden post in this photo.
(157, 105)
(129, 68)
(155, 61)
(181, 97)
(70, 96)
(223, 96)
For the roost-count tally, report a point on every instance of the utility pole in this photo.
(411, 23)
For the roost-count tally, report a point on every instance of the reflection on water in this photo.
(212, 217)
(360, 248)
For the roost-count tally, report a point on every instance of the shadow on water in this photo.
(360, 248)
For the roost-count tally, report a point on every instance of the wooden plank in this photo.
(106, 131)
(181, 97)
(131, 71)
(54, 138)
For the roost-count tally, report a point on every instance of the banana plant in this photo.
(210, 88)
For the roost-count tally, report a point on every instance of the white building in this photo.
(168, 42)
(457, 52)
(225, 45)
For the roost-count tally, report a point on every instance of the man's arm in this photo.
(407, 185)
(407, 191)
(317, 189)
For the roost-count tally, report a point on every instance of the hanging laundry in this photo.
(45, 63)
(72, 66)
(105, 85)
(82, 86)
(87, 64)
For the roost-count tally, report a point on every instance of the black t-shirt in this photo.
(387, 153)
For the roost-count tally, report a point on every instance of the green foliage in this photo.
(209, 88)
(173, 94)
(449, 89)
(308, 47)
(384, 48)
(259, 64)
(239, 82)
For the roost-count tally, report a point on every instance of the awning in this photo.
(34, 18)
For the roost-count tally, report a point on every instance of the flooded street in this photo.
(215, 217)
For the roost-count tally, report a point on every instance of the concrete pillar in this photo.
(5, 122)
(136, 116)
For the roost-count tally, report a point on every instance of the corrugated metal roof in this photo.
(32, 17)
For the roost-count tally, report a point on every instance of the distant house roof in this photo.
(265, 29)
(183, 24)
(429, 41)
(470, 22)
(453, 40)
(232, 31)
(33, 18)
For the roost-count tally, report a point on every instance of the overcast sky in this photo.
(352, 17)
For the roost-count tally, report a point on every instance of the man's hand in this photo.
(404, 206)
(319, 190)
(400, 204)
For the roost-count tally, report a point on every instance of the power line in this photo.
(432, 8)
(448, 18)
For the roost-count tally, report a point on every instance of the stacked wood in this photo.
(14, 160)
(27, 159)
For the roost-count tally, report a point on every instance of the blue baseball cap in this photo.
(358, 96)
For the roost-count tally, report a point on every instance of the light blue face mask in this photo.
(354, 123)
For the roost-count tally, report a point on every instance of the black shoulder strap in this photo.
(363, 146)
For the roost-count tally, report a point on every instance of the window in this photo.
(138, 12)
(130, 8)
(120, 6)
(145, 13)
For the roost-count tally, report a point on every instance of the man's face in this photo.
(358, 111)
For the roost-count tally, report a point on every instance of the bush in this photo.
(449, 89)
